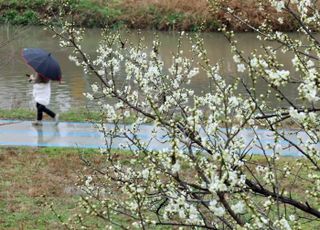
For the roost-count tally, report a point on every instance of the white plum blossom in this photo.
(74, 59)
(126, 114)
(292, 218)
(267, 204)
(145, 173)
(277, 77)
(238, 207)
(88, 181)
(280, 20)
(95, 88)
(176, 167)
(217, 210)
(175, 155)
(279, 5)
(300, 116)
(309, 91)
(193, 72)
(101, 72)
(283, 223)
(241, 68)
(236, 58)
(88, 96)
(217, 185)
(254, 62)
(310, 64)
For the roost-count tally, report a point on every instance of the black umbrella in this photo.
(42, 62)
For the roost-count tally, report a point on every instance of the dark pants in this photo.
(42, 109)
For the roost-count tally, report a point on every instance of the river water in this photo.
(16, 92)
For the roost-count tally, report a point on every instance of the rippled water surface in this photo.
(15, 91)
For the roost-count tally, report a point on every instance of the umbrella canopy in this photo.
(42, 62)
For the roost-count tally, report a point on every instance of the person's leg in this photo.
(39, 111)
(48, 111)
(39, 115)
(55, 116)
(42, 109)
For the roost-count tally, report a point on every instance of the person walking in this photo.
(41, 93)
(47, 68)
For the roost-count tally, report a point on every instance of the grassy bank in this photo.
(31, 177)
(27, 174)
(80, 115)
(73, 115)
(188, 15)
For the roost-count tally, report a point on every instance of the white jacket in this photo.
(41, 93)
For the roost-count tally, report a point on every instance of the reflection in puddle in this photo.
(47, 133)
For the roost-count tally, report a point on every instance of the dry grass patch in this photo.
(195, 14)
(32, 173)
(29, 173)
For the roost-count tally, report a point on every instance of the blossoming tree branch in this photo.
(208, 176)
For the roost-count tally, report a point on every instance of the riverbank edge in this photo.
(131, 15)
(75, 115)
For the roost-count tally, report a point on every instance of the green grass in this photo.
(20, 114)
(29, 213)
(74, 115)
(115, 14)
(71, 115)
(29, 173)
(33, 178)
(87, 13)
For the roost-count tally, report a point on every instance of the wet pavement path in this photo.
(85, 135)
(66, 134)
